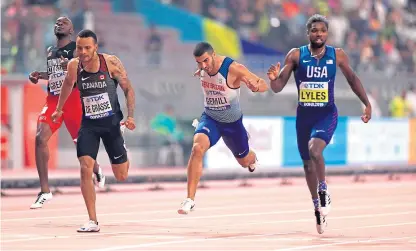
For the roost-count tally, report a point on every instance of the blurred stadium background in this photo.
(155, 39)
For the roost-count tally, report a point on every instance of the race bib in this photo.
(97, 106)
(216, 102)
(56, 81)
(314, 94)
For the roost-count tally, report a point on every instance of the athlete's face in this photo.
(206, 62)
(86, 48)
(63, 27)
(318, 34)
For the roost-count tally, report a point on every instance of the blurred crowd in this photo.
(379, 35)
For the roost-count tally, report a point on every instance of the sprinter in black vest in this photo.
(97, 76)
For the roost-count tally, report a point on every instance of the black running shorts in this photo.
(88, 142)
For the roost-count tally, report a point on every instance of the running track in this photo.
(376, 215)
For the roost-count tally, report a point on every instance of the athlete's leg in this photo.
(72, 118)
(236, 138)
(45, 129)
(200, 146)
(116, 149)
(321, 136)
(43, 134)
(303, 132)
(206, 135)
(88, 144)
(316, 147)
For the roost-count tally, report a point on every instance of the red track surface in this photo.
(375, 215)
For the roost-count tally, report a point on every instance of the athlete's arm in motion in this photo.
(253, 82)
(70, 79)
(119, 73)
(278, 78)
(354, 82)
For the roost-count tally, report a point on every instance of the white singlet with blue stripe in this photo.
(222, 103)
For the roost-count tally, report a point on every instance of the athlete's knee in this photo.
(315, 152)
(86, 166)
(121, 171)
(198, 150)
(41, 139)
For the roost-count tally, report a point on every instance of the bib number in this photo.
(313, 94)
(55, 82)
(97, 106)
(217, 103)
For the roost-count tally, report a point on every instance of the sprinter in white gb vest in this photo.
(220, 79)
(97, 76)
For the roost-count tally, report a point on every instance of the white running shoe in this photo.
(90, 226)
(321, 223)
(186, 206)
(325, 202)
(42, 198)
(99, 178)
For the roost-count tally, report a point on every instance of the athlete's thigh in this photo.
(88, 142)
(303, 135)
(72, 117)
(45, 116)
(114, 144)
(209, 127)
(235, 137)
(325, 127)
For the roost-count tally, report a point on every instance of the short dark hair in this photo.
(317, 19)
(88, 33)
(201, 48)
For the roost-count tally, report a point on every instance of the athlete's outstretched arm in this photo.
(278, 78)
(120, 74)
(253, 82)
(353, 81)
(70, 79)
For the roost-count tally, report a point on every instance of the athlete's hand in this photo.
(56, 115)
(130, 124)
(64, 63)
(253, 85)
(34, 77)
(367, 114)
(273, 71)
(197, 73)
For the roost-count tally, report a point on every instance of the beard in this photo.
(317, 45)
(60, 35)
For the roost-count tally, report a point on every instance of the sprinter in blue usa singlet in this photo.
(314, 66)
(220, 80)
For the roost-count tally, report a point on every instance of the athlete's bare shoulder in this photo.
(73, 64)
(237, 67)
(292, 56)
(113, 60)
(115, 67)
(341, 56)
